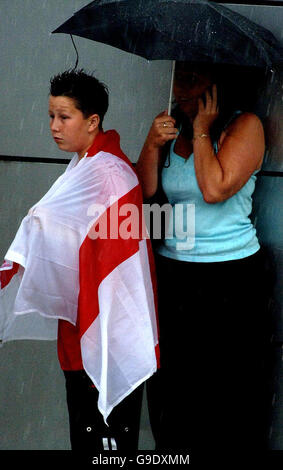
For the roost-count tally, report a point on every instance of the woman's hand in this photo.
(162, 130)
(207, 112)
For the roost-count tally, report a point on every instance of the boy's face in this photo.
(71, 131)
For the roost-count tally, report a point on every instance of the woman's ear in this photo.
(94, 121)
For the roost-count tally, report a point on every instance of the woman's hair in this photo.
(238, 89)
(89, 94)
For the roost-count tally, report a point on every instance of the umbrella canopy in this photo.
(185, 30)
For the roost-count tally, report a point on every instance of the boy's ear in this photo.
(94, 121)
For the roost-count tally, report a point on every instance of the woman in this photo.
(212, 300)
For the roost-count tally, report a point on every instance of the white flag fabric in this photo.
(80, 255)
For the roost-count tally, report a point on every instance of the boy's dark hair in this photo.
(90, 95)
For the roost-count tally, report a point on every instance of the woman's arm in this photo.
(147, 166)
(241, 150)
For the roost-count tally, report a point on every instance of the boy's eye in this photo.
(63, 117)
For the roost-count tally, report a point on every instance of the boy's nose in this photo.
(54, 124)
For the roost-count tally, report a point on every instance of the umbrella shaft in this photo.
(171, 87)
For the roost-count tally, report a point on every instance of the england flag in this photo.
(82, 256)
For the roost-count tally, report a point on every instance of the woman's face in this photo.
(69, 128)
(189, 86)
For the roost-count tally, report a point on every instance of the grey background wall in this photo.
(31, 55)
(33, 412)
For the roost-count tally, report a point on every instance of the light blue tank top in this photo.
(202, 232)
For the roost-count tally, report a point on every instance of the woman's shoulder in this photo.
(244, 118)
(243, 123)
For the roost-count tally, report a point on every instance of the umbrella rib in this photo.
(226, 13)
(216, 42)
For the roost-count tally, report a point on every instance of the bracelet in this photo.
(200, 136)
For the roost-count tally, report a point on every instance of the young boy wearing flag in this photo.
(93, 291)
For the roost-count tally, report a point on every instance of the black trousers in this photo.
(212, 389)
(88, 431)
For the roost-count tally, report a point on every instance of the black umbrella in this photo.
(185, 30)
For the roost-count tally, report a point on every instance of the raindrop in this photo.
(27, 431)
(273, 399)
(31, 378)
(141, 128)
(22, 388)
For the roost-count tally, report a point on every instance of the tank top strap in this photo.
(234, 115)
